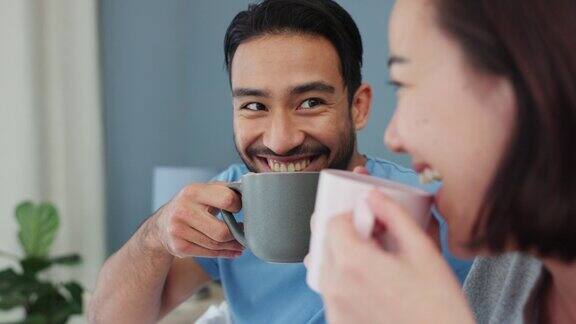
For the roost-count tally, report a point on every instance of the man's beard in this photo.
(310, 146)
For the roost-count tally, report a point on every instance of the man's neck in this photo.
(561, 301)
(356, 160)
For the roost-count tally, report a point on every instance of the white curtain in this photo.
(51, 141)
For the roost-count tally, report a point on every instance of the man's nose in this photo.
(283, 134)
(391, 136)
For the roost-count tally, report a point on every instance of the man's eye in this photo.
(310, 103)
(254, 106)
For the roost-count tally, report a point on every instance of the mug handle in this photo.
(233, 225)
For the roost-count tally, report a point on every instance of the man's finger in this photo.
(209, 225)
(194, 236)
(215, 195)
(187, 249)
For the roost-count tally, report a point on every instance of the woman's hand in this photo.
(367, 284)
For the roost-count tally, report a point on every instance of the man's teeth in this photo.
(428, 175)
(277, 166)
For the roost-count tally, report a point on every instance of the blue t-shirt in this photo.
(261, 292)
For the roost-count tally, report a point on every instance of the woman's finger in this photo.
(313, 222)
(344, 242)
(361, 170)
(398, 223)
(433, 231)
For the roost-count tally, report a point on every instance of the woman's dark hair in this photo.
(531, 202)
(323, 18)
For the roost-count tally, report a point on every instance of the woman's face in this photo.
(449, 117)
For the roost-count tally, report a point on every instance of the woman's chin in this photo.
(460, 251)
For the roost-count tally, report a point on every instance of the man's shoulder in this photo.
(232, 173)
(389, 170)
(379, 165)
(386, 169)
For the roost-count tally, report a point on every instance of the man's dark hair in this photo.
(532, 199)
(323, 18)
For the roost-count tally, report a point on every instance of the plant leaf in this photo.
(31, 319)
(51, 305)
(75, 291)
(61, 315)
(35, 319)
(10, 280)
(11, 301)
(10, 285)
(33, 265)
(7, 279)
(70, 259)
(38, 227)
(24, 215)
(21, 289)
(58, 305)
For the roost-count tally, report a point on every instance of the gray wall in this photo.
(167, 98)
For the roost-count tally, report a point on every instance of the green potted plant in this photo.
(43, 300)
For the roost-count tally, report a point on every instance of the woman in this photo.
(486, 95)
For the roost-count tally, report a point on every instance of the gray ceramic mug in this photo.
(277, 209)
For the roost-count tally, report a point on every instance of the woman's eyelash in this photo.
(395, 84)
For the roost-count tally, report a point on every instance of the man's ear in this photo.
(361, 105)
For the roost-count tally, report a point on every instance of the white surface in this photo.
(216, 314)
(343, 191)
(51, 144)
(18, 143)
(193, 309)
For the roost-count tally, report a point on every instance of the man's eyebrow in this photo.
(395, 59)
(250, 92)
(312, 86)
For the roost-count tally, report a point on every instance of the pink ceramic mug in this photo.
(344, 191)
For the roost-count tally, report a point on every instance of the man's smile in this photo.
(290, 163)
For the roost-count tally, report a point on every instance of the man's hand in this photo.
(186, 226)
(143, 281)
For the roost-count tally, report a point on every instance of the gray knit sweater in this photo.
(505, 289)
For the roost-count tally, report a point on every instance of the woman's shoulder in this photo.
(498, 288)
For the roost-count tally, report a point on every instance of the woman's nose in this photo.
(392, 137)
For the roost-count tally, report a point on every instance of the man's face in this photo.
(291, 110)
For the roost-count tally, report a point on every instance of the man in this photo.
(298, 100)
